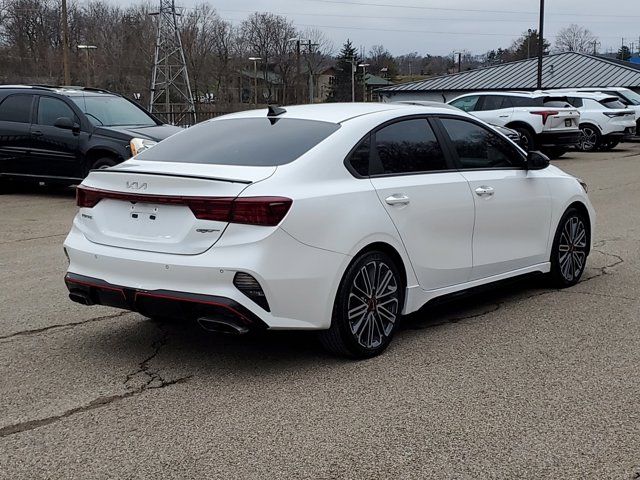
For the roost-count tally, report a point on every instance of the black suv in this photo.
(58, 134)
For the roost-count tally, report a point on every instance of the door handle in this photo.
(397, 199)
(36, 133)
(484, 191)
(503, 116)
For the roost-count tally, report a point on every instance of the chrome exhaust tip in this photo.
(221, 325)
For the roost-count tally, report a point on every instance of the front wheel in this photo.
(570, 249)
(367, 307)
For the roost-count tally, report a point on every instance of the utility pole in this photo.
(540, 44)
(65, 44)
(310, 50)
(298, 70)
(529, 31)
(169, 78)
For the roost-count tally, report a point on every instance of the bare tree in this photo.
(575, 38)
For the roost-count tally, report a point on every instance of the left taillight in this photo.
(264, 211)
(545, 114)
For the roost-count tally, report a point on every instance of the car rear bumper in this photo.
(161, 303)
(299, 281)
(558, 139)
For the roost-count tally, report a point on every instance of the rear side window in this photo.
(479, 148)
(575, 101)
(359, 159)
(16, 108)
(557, 102)
(466, 104)
(50, 109)
(257, 142)
(408, 146)
(495, 102)
(526, 102)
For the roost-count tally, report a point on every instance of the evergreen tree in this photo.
(341, 88)
(624, 53)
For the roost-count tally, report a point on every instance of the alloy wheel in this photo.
(588, 139)
(572, 248)
(373, 304)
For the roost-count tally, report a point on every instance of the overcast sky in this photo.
(440, 27)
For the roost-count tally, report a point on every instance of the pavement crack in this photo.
(32, 238)
(92, 405)
(154, 378)
(62, 326)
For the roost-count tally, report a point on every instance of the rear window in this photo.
(257, 142)
(613, 103)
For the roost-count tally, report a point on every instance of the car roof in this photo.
(62, 90)
(508, 94)
(339, 112)
(592, 95)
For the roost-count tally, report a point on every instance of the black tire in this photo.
(527, 141)
(570, 248)
(104, 162)
(374, 315)
(606, 145)
(590, 138)
(555, 152)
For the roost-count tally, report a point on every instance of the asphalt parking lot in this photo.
(517, 382)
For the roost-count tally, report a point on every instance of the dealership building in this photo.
(562, 70)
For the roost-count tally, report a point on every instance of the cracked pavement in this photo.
(518, 381)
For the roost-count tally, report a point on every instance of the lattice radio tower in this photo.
(170, 89)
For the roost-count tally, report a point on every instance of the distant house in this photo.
(563, 70)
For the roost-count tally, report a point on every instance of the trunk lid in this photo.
(149, 206)
(563, 119)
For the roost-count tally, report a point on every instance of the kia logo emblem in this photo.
(137, 185)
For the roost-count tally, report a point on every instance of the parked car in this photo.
(512, 135)
(628, 97)
(604, 120)
(544, 122)
(331, 217)
(59, 134)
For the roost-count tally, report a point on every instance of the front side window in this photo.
(112, 111)
(479, 148)
(408, 146)
(50, 109)
(16, 108)
(466, 104)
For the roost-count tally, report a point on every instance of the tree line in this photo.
(216, 51)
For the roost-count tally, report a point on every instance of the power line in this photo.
(474, 10)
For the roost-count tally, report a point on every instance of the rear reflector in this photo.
(265, 211)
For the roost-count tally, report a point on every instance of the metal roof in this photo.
(562, 70)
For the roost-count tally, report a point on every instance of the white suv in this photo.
(604, 120)
(545, 122)
(628, 97)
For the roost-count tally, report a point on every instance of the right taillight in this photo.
(264, 211)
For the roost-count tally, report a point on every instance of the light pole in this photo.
(86, 49)
(353, 79)
(255, 61)
(65, 43)
(540, 44)
(364, 80)
(529, 43)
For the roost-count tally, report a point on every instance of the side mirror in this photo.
(64, 122)
(537, 160)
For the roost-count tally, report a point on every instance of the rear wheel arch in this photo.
(391, 252)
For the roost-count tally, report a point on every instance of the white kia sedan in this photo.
(337, 217)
